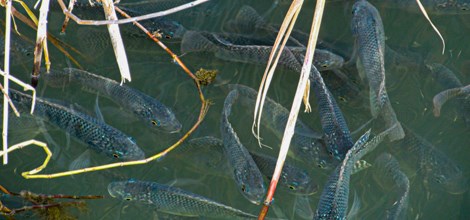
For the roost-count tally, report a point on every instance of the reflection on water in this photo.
(410, 86)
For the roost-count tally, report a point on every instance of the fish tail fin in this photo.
(355, 207)
(246, 21)
(374, 105)
(390, 119)
(441, 98)
(194, 42)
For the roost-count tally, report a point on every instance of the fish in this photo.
(162, 27)
(307, 145)
(173, 200)
(333, 202)
(438, 7)
(293, 178)
(97, 135)
(246, 173)
(193, 41)
(367, 28)
(388, 174)
(441, 98)
(21, 51)
(336, 132)
(150, 111)
(438, 170)
(449, 81)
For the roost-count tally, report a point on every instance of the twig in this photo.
(40, 42)
(5, 95)
(290, 127)
(22, 84)
(27, 143)
(432, 25)
(116, 40)
(129, 20)
(67, 18)
(6, 81)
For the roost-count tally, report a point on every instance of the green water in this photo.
(411, 91)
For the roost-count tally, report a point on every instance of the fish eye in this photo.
(155, 122)
(244, 188)
(115, 155)
(464, 8)
(291, 187)
(167, 36)
(324, 65)
(127, 199)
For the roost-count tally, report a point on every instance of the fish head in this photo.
(328, 60)
(299, 182)
(363, 16)
(314, 152)
(130, 190)
(167, 28)
(251, 186)
(126, 149)
(450, 7)
(158, 117)
(449, 177)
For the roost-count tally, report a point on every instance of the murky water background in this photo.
(410, 89)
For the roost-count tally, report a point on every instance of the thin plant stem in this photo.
(129, 20)
(40, 42)
(6, 81)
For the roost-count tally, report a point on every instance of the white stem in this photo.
(6, 84)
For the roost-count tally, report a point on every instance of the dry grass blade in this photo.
(40, 42)
(116, 40)
(6, 81)
(283, 34)
(289, 130)
(421, 7)
(27, 143)
(129, 20)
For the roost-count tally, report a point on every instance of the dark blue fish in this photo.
(207, 153)
(96, 134)
(337, 135)
(244, 170)
(438, 170)
(307, 144)
(367, 28)
(149, 110)
(334, 198)
(173, 200)
(388, 174)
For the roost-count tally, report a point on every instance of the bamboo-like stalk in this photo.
(40, 42)
(129, 20)
(290, 126)
(6, 81)
(116, 40)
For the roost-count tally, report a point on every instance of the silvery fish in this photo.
(438, 170)
(334, 198)
(96, 134)
(244, 170)
(337, 135)
(210, 149)
(149, 110)
(173, 200)
(367, 28)
(307, 144)
(258, 54)
(447, 79)
(388, 174)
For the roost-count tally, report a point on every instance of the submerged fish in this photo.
(337, 135)
(453, 87)
(245, 172)
(96, 134)
(388, 173)
(258, 54)
(293, 178)
(367, 28)
(149, 110)
(173, 200)
(307, 144)
(334, 198)
(438, 170)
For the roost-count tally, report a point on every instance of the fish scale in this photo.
(333, 202)
(98, 135)
(173, 200)
(337, 134)
(152, 112)
(387, 170)
(245, 172)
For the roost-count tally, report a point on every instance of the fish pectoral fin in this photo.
(98, 113)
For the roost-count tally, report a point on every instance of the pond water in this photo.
(410, 86)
